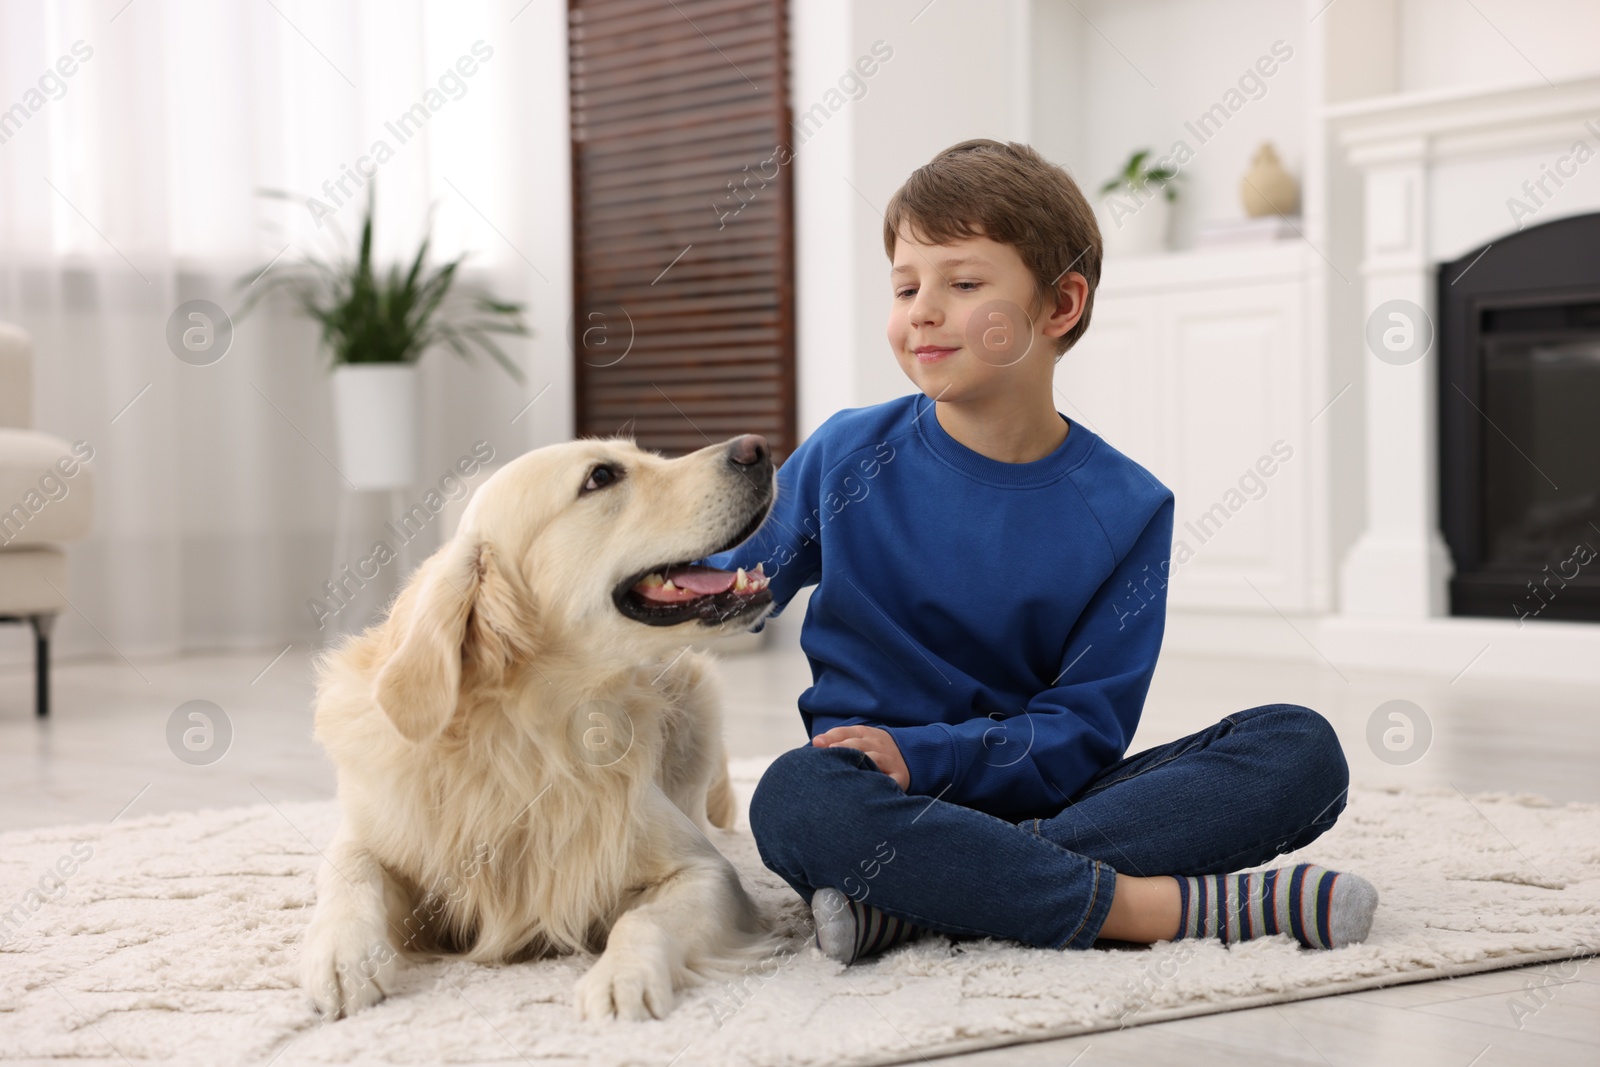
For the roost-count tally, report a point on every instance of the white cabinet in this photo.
(1196, 366)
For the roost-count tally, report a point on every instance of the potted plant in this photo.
(1136, 206)
(376, 325)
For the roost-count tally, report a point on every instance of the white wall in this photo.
(1420, 46)
(1058, 119)
(545, 157)
(1446, 43)
(951, 78)
(824, 211)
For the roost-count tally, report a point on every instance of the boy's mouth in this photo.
(931, 353)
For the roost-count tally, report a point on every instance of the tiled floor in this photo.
(105, 751)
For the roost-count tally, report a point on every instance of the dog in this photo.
(528, 750)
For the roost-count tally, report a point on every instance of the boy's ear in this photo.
(1066, 304)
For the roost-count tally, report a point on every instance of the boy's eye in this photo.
(965, 287)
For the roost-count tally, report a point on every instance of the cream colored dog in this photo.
(527, 750)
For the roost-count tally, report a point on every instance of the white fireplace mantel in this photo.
(1440, 173)
(1460, 122)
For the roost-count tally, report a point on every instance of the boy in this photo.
(990, 602)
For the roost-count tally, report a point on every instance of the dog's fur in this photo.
(476, 818)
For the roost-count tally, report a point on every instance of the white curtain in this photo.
(136, 139)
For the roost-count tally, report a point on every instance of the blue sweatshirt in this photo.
(1000, 620)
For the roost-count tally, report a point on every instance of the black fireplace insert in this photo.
(1519, 423)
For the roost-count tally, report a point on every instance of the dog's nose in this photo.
(748, 450)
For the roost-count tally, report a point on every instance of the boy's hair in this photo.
(1009, 193)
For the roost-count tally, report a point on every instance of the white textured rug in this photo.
(175, 937)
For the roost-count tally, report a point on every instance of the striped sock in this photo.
(1318, 907)
(848, 930)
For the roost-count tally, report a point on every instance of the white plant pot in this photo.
(1135, 224)
(375, 408)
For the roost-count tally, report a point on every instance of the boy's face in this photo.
(959, 325)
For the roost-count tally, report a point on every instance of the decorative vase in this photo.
(1135, 223)
(375, 408)
(1266, 188)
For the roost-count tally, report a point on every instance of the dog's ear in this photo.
(464, 616)
(420, 685)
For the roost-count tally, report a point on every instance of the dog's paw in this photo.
(346, 968)
(625, 987)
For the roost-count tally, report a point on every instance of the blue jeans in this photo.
(1260, 782)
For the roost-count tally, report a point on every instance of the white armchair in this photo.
(46, 498)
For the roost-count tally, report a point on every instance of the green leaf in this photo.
(368, 314)
(1135, 176)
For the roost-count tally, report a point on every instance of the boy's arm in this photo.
(1038, 759)
(786, 546)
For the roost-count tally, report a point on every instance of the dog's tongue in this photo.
(688, 582)
(702, 581)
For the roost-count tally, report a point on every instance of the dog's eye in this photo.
(600, 477)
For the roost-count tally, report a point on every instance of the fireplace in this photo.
(1519, 423)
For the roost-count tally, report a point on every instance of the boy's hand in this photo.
(875, 743)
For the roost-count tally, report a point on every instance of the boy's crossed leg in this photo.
(1272, 775)
(827, 817)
